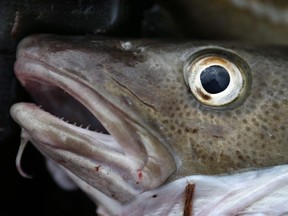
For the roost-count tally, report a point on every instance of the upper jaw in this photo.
(133, 160)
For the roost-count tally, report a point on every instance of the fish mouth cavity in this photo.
(56, 101)
(102, 117)
(54, 98)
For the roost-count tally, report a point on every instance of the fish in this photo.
(244, 20)
(187, 127)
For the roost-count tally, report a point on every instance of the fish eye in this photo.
(215, 79)
(218, 78)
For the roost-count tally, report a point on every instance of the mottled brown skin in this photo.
(147, 81)
(204, 140)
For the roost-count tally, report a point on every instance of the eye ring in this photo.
(218, 78)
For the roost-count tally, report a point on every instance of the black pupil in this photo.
(215, 79)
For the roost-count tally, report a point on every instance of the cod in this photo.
(149, 127)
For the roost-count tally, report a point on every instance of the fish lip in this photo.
(29, 68)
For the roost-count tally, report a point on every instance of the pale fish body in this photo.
(174, 146)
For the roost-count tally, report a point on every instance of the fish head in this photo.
(152, 97)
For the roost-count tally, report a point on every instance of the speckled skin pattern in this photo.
(146, 78)
(203, 140)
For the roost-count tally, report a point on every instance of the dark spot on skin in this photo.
(262, 136)
(211, 116)
(165, 121)
(275, 82)
(238, 112)
(254, 161)
(275, 105)
(275, 129)
(203, 95)
(240, 157)
(276, 118)
(97, 168)
(195, 130)
(154, 196)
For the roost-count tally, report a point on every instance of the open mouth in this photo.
(131, 158)
(59, 103)
(57, 107)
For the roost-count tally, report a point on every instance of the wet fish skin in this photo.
(144, 80)
(245, 20)
(230, 139)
